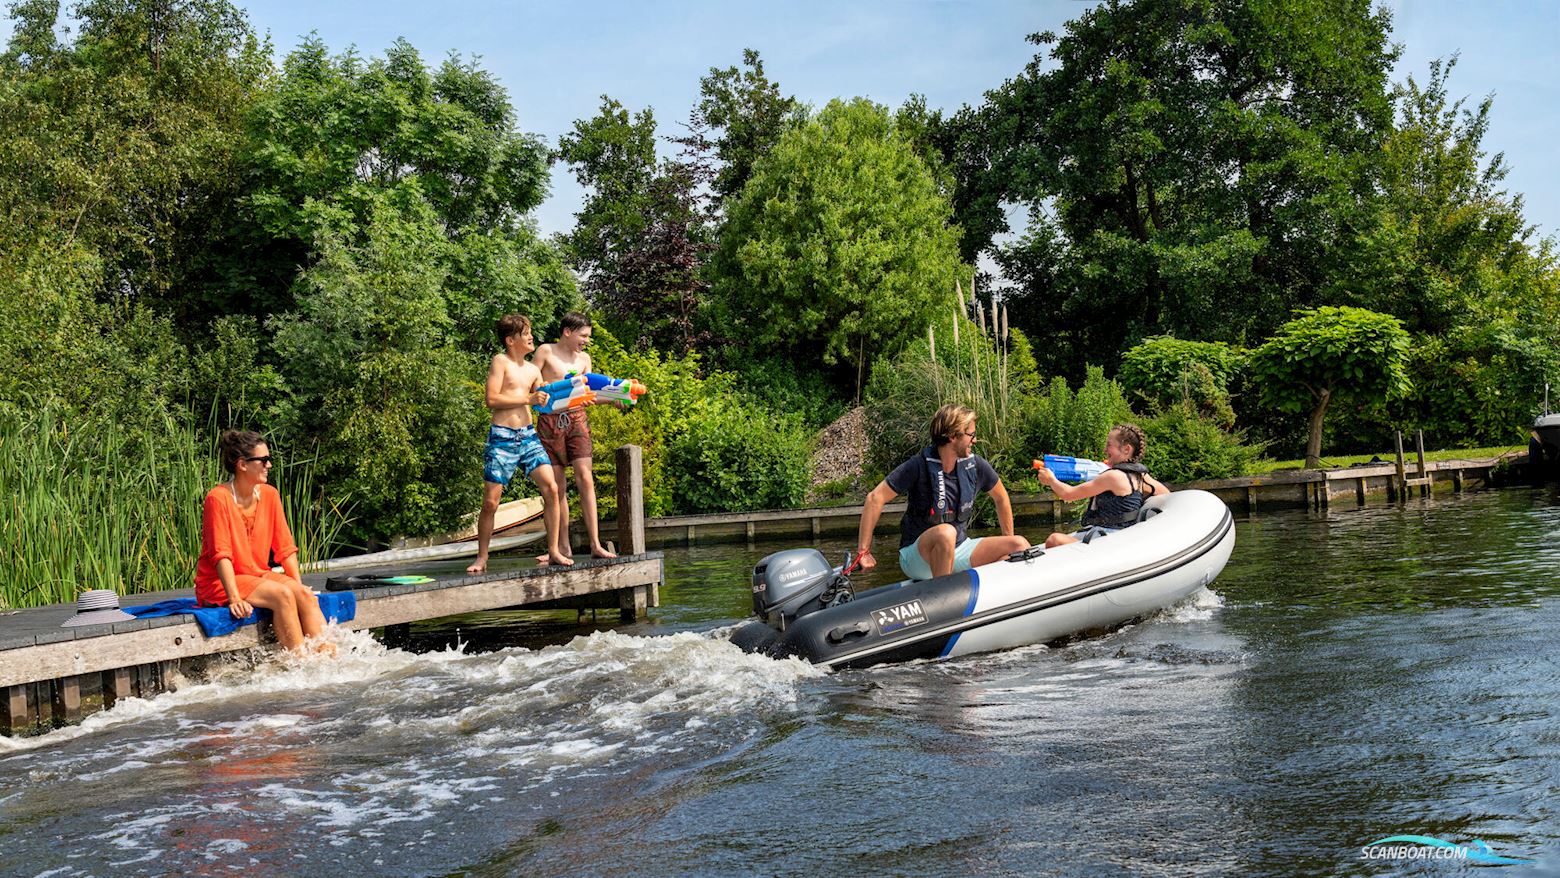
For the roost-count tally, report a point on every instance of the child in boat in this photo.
(242, 528)
(512, 443)
(1116, 495)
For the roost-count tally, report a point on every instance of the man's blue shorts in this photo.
(508, 449)
(915, 567)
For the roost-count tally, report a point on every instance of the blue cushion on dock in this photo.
(340, 606)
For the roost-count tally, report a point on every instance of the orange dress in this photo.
(245, 538)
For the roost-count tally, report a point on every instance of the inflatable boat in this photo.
(808, 609)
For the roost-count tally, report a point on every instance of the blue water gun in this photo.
(1072, 469)
(581, 389)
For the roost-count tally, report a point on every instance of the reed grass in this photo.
(90, 503)
(973, 371)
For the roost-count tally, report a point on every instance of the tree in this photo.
(1193, 165)
(373, 376)
(839, 243)
(1329, 354)
(643, 236)
(336, 132)
(120, 144)
(749, 114)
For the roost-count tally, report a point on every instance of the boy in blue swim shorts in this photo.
(512, 443)
(509, 449)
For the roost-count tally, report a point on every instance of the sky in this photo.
(557, 58)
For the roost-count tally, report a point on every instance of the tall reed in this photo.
(90, 503)
(966, 358)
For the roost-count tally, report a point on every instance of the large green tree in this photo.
(117, 144)
(1451, 255)
(334, 132)
(123, 141)
(839, 244)
(1190, 166)
(394, 405)
(382, 233)
(644, 233)
(744, 112)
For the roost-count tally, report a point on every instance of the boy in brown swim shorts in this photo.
(566, 434)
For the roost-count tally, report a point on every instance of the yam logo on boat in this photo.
(891, 619)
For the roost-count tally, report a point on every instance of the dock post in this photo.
(633, 602)
(1400, 486)
(1251, 500)
(631, 500)
(1419, 448)
(65, 695)
(116, 686)
(13, 711)
(1359, 491)
(1457, 481)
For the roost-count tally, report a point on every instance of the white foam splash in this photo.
(1195, 607)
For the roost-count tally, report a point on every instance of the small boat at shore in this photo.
(1545, 441)
(510, 531)
(808, 609)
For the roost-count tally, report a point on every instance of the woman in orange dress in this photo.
(242, 528)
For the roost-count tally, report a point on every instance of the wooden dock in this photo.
(52, 676)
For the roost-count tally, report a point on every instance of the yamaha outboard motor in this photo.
(787, 585)
(796, 582)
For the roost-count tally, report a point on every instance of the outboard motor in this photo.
(796, 582)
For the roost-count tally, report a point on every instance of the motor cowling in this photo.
(795, 582)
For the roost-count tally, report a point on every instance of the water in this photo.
(1351, 676)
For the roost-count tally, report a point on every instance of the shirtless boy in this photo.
(566, 435)
(511, 443)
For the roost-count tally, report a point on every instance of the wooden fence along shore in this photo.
(51, 676)
(1289, 489)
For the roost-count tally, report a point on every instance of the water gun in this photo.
(1072, 469)
(581, 389)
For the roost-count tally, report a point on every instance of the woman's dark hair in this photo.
(235, 444)
(1130, 435)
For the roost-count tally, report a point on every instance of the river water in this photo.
(1352, 675)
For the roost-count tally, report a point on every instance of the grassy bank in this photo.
(100, 505)
(1262, 467)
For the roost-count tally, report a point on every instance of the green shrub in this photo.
(1183, 445)
(1162, 371)
(781, 384)
(676, 398)
(736, 459)
(1076, 424)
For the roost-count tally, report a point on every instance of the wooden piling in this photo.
(1424, 474)
(13, 711)
(65, 699)
(116, 686)
(631, 500)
